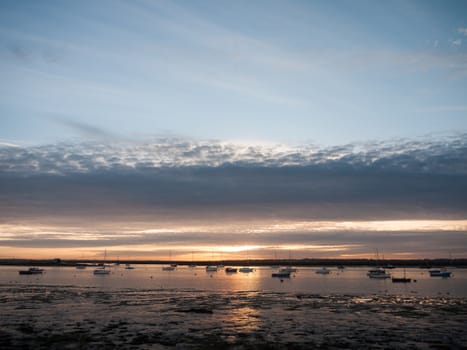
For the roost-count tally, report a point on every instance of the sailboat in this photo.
(192, 265)
(401, 279)
(102, 270)
(246, 269)
(378, 272)
(323, 271)
(171, 267)
(274, 266)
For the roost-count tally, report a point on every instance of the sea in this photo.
(189, 308)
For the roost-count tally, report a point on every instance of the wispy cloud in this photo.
(86, 130)
(462, 30)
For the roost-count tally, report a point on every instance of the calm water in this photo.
(306, 280)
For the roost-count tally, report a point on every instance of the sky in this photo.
(233, 129)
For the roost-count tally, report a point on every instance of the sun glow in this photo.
(229, 240)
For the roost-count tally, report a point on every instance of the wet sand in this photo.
(67, 317)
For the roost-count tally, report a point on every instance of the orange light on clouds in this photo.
(227, 240)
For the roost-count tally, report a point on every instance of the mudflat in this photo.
(69, 317)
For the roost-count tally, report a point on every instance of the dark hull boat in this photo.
(401, 280)
(31, 271)
(440, 273)
(281, 274)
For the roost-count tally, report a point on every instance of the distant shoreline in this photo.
(421, 263)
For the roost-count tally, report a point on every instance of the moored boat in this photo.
(323, 271)
(246, 269)
(378, 273)
(101, 271)
(211, 268)
(440, 273)
(281, 274)
(288, 269)
(401, 279)
(32, 271)
(231, 270)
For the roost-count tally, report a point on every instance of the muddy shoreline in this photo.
(68, 317)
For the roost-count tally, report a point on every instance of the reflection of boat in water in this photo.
(378, 273)
(281, 274)
(211, 268)
(231, 270)
(32, 271)
(323, 271)
(440, 273)
(246, 269)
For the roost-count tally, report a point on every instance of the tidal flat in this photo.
(70, 317)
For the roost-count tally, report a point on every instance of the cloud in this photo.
(86, 130)
(176, 178)
(423, 156)
(456, 42)
(462, 30)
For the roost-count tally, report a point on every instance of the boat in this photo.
(401, 279)
(281, 274)
(323, 271)
(168, 268)
(378, 273)
(128, 267)
(172, 266)
(231, 270)
(102, 270)
(288, 270)
(341, 267)
(211, 268)
(440, 273)
(192, 265)
(32, 271)
(275, 259)
(246, 269)
(80, 266)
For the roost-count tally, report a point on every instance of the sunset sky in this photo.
(233, 129)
